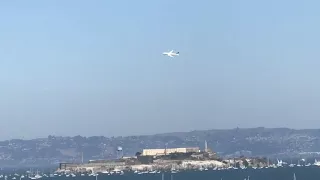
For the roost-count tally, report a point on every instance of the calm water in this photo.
(302, 173)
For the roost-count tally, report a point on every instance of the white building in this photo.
(158, 152)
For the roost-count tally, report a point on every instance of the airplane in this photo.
(171, 53)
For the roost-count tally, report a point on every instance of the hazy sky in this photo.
(96, 68)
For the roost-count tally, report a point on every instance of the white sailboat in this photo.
(316, 163)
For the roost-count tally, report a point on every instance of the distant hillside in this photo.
(232, 142)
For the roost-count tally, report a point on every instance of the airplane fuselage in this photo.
(171, 54)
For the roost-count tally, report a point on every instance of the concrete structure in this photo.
(92, 165)
(205, 146)
(159, 152)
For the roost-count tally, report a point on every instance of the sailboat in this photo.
(298, 163)
(316, 163)
(37, 176)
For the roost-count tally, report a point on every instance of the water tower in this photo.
(119, 152)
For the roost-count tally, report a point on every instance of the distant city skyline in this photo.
(96, 68)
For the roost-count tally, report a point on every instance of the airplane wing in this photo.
(170, 55)
(171, 51)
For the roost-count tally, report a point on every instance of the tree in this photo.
(245, 163)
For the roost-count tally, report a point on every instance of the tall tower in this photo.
(165, 149)
(119, 152)
(205, 146)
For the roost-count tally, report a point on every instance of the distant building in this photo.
(160, 152)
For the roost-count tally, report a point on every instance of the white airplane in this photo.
(171, 53)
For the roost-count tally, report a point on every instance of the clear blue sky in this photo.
(95, 67)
